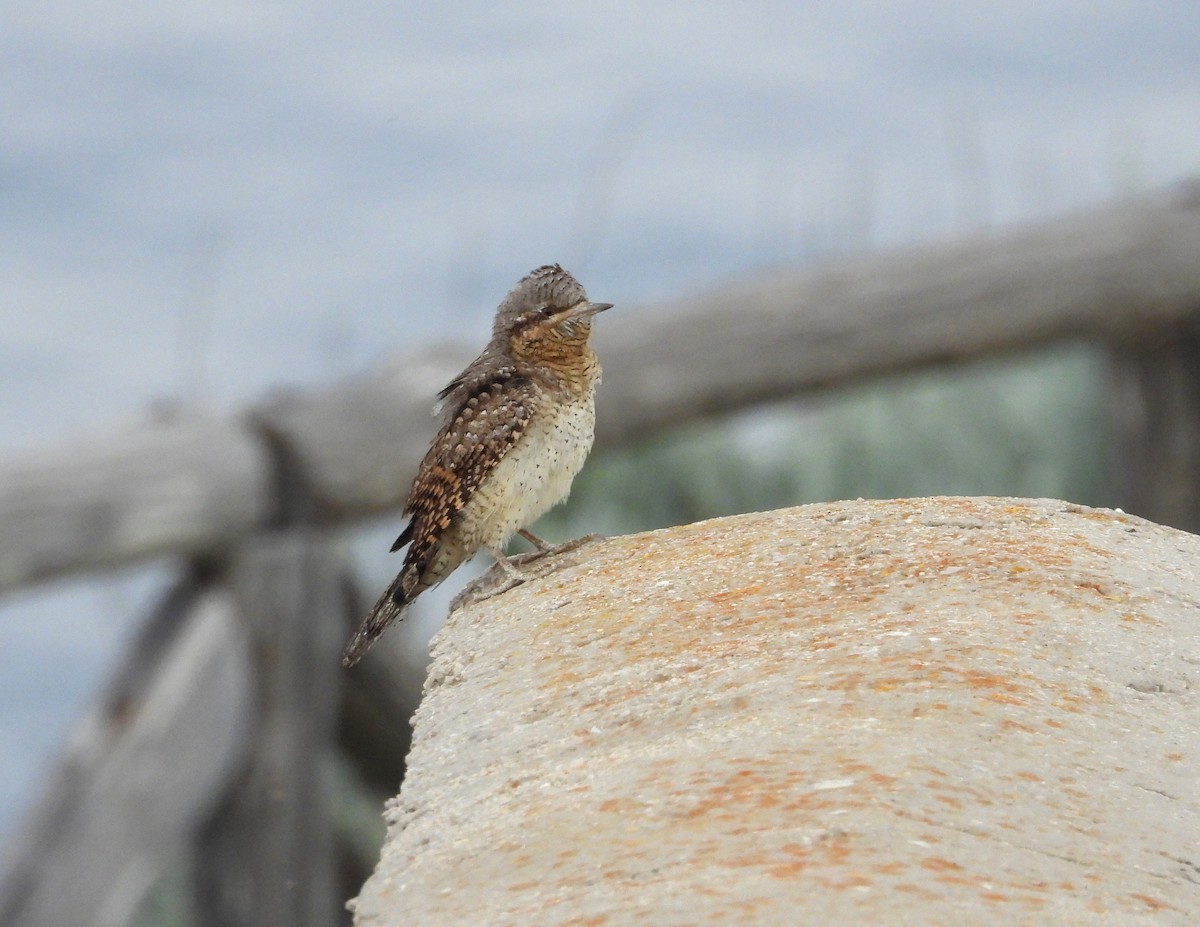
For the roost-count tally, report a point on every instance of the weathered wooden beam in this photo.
(1118, 273)
(267, 858)
(1154, 414)
(143, 769)
(167, 486)
(359, 441)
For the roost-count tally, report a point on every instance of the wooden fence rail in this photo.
(1123, 273)
(216, 735)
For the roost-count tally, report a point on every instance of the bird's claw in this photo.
(491, 584)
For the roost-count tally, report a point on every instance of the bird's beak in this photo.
(585, 310)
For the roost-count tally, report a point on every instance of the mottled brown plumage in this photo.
(517, 426)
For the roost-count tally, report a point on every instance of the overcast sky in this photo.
(201, 200)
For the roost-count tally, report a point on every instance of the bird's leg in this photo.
(533, 539)
(485, 586)
(488, 585)
(544, 549)
(514, 576)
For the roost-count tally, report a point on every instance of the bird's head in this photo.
(547, 311)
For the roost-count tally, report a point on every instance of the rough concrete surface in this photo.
(924, 711)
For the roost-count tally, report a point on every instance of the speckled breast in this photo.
(535, 475)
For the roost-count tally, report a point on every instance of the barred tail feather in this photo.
(391, 605)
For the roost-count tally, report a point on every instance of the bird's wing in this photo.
(490, 415)
(488, 369)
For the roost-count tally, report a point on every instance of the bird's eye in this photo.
(547, 310)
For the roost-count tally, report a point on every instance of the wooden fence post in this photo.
(267, 857)
(1154, 404)
(144, 768)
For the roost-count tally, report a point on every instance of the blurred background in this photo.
(202, 203)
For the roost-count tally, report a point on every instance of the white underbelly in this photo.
(535, 475)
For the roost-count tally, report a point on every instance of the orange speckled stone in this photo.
(919, 711)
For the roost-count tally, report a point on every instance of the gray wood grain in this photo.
(1117, 273)
(178, 486)
(1154, 403)
(142, 770)
(267, 857)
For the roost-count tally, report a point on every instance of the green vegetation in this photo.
(1020, 426)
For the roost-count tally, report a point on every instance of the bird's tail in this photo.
(391, 605)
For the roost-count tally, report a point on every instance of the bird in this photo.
(517, 425)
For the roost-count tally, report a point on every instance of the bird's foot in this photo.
(507, 572)
(549, 550)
